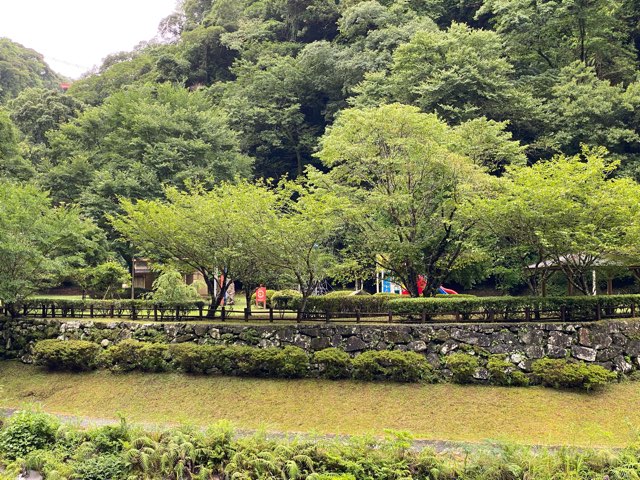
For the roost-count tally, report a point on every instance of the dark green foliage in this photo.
(561, 373)
(27, 431)
(392, 365)
(111, 438)
(173, 136)
(503, 372)
(133, 355)
(73, 355)
(193, 358)
(463, 366)
(333, 363)
(12, 164)
(37, 111)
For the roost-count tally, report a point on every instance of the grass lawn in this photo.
(443, 412)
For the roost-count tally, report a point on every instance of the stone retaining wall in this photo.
(613, 344)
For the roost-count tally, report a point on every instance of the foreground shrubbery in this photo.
(33, 440)
(331, 363)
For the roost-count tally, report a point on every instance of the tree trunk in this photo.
(210, 289)
(299, 161)
(412, 283)
(247, 296)
(12, 309)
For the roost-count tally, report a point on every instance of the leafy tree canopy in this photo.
(410, 190)
(41, 244)
(136, 142)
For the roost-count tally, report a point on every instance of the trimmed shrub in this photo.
(340, 293)
(503, 372)
(293, 362)
(134, 355)
(194, 358)
(462, 366)
(67, 354)
(333, 363)
(288, 362)
(285, 299)
(363, 303)
(26, 432)
(392, 365)
(458, 295)
(561, 373)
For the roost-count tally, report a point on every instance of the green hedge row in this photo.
(512, 307)
(287, 362)
(583, 307)
(116, 303)
(337, 303)
(293, 362)
(574, 308)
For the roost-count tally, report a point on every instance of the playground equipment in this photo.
(386, 284)
(446, 291)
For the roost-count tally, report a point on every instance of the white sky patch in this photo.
(75, 35)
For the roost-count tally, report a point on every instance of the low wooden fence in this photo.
(200, 312)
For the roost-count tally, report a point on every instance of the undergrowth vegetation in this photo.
(37, 441)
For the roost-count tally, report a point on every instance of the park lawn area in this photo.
(532, 415)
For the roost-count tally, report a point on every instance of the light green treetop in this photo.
(409, 189)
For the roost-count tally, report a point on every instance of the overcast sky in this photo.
(74, 35)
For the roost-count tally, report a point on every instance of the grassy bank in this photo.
(446, 412)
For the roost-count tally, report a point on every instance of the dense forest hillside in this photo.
(550, 75)
(21, 68)
(557, 73)
(233, 89)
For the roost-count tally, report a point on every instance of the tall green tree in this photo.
(410, 190)
(299, 237)
(37, 111)
(460, 73)
(212, 232)
(583, 109)
(138, 141)
(567, 212)
(264, 103)
(40, 244)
